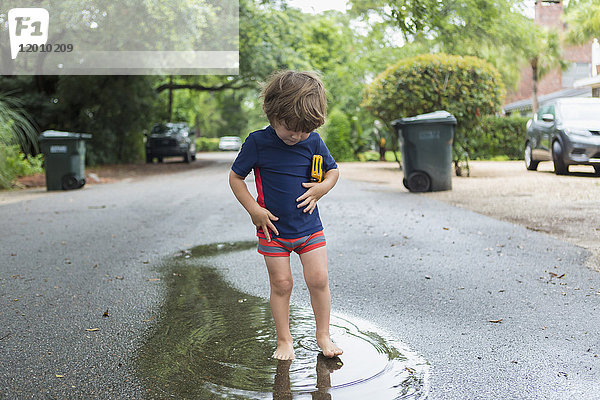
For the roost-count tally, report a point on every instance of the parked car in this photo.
(567, 132)
(230, 143)
(170, 140)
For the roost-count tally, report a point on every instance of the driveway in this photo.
(564, 207)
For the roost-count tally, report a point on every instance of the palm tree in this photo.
(583, 21)
(543, 52)
(15, 128)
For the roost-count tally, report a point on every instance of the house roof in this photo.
(523, 105)
(593, 81)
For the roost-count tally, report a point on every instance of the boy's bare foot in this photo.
(284, 351)
(328, 348)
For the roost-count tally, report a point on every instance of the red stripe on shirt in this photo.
(259, 188)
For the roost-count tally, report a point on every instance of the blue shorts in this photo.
(279, 247)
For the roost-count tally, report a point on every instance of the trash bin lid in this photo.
(49, 135)
(437, 117)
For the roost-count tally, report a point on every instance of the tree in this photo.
(482, 28)
(114, 109)
(583, 21)
(337, 137)
(542, 50)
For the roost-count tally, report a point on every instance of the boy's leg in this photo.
(281, 281)
(314, 264)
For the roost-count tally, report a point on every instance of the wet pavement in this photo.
(497, 311)
(213, 341)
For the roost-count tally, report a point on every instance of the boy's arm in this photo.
(261, 217)
(317, 190)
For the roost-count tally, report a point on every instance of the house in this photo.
(556, 83)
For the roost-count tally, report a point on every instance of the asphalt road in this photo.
(431, 274)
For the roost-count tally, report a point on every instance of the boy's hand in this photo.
(311, 196)
(261, 217)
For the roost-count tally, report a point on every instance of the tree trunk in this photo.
(534, 95)
(170, 97)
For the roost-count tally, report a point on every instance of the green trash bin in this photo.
(426, 142)
(64, 159)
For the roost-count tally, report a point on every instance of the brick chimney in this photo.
(548, 13)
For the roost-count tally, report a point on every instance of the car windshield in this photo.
(169, 130)
(581, 111)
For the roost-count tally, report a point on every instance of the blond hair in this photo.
(295, 99)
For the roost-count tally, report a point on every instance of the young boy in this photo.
(285, 212)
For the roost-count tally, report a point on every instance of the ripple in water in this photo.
(213, 341)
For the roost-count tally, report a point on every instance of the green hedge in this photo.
(207, 144)
(467, 87)
(337, 136)
(14, 164)
(497, 137)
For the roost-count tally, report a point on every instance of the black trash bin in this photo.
(64, 159)
(426, 142)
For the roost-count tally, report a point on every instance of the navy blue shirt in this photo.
(279, 171)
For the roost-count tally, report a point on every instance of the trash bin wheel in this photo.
(70, 182)
(419, 181)
(405, 183)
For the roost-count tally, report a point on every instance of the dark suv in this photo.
(566, 132)
(170, 139)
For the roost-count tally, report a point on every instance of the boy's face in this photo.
(289, 137)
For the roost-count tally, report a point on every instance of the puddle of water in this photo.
(213, 341)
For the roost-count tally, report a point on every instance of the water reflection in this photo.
(213, 341)
(325, 366)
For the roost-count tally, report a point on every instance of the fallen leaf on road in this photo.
(93, 329)
(495, 321)
(106, 313)
(13, 254)
(446, 229)
(59, 376)
(119, 278)
(148, 320)
(153, 279)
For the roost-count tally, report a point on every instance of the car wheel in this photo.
(193, 156)
(597, 169)
(419, 182)
(559, 165)
(530, 164)
(149, 159)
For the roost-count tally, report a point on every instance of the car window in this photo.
(581, 111)
(541, 111)
(549, 109)
(159, 129)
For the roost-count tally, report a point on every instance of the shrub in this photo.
(13, 164)
(337, 136)
(207, 144)
(467, 87)
(495, 137)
